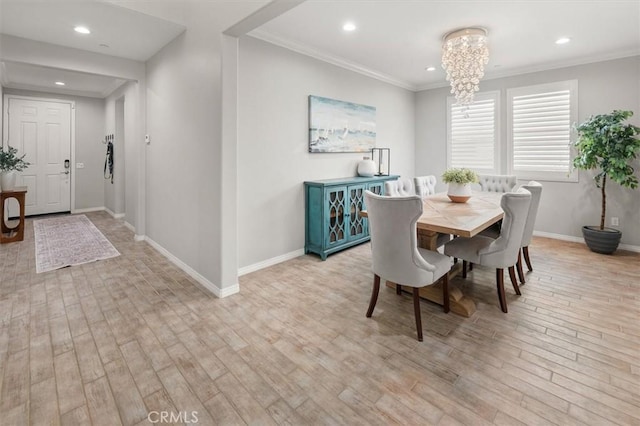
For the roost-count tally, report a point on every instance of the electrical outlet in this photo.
(615, 221)
(79, 165)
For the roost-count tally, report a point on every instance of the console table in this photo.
(332, 214)
(14, 233)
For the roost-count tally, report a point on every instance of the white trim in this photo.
(539, 68)
(138, 237)
(113, 214)
(551, 176)
(129, 226)
(573, 239)
(270, 262)
(334, 60)
(88, 210)
(227, 291)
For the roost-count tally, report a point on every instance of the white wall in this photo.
(183, 101)
(273, 128)
(89, 150)
(565, 207)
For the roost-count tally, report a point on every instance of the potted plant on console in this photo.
(10, 163)
(459, 181)
(606, 144)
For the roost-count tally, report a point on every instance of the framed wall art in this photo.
(339, 126)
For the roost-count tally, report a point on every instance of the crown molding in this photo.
(542, 67)
(334, 60)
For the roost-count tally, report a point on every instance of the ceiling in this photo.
(395, 40)
(115, 31)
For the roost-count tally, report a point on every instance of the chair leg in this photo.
(520, 271)
(514, 282)
(464, 269)
(374, 295)
(500, 285)
(471, 266)
(445, 292)
(398, 289)
(416, 308)
(525, 251)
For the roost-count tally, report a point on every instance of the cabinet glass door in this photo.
(336, 219)
(357, 227)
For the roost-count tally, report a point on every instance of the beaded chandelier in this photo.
(464, 55)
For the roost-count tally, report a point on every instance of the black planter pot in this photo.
(601, 241)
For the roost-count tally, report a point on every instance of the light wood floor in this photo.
(109, 342)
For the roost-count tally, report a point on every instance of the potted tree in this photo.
(606, 144)
(10, 163)
(459, 181)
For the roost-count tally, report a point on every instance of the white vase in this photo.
(366, 168)
(8, 180)
(459, 192)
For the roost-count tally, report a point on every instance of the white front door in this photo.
(42, 131)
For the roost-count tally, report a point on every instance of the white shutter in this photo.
(473, 133)
(540, 130)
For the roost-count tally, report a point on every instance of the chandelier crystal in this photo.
(464, 55)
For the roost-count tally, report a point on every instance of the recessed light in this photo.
(60, 83)
(563, 40)
(82, 30)
(430, 68)
(349, 26)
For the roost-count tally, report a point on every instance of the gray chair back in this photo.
(497, 183)
(398, 188)
(394, 246)
(535, 188)
(425, 185)
(503, 252)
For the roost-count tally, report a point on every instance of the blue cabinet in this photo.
(332, 215)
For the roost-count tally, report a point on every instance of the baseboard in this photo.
(137, 237)
(224, 292)
(89, 210)
(129, 226)
(573, 239)
(114, 215)
(270, 262)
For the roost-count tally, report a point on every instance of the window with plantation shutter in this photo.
(472, 134)
(540, 119)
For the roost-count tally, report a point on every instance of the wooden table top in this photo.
(442, 215)
(16, 190)
(464, 219)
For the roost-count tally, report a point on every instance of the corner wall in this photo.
(273, 128)
(565, 206)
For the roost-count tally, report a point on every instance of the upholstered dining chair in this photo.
(535, 188)
(425, 185)
(395, 254)
(497, 183)
(502, 252)
(398, 188)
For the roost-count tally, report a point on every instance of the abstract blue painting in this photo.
(339, 126)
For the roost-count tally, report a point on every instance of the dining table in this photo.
(440, 215)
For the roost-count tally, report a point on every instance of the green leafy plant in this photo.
(9, 160)
(606, 144)
(461, 176)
